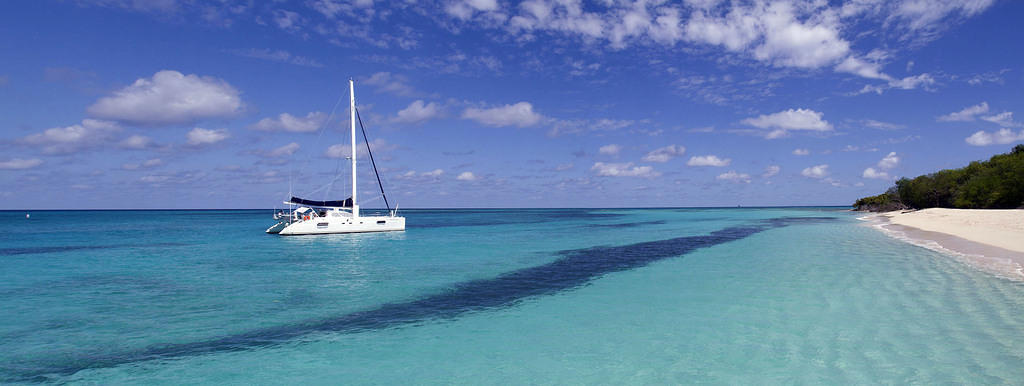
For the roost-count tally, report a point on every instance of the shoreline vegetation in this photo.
(994, 184)
(976, 211)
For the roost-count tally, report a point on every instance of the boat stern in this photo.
(276, 228)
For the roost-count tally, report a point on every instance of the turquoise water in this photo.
(734, 296)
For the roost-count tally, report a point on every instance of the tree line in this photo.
(994, 184)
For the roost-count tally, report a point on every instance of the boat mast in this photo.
(352, 119)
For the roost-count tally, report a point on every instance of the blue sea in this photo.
(538, 296)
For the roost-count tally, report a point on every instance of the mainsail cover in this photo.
(346, 203)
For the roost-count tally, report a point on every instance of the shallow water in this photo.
(793, 295)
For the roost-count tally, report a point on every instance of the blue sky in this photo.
(492, 103)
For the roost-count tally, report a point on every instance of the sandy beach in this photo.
(990, 238)
(1003, 228)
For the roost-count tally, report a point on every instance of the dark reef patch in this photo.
(626, 224)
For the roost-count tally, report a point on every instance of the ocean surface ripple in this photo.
(572, 269)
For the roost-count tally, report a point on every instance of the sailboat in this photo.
(312, 217)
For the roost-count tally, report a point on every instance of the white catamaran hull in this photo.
(319, 226)
(315, 217)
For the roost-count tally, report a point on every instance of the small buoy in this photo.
(27, 215)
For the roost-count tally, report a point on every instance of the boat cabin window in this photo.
(381, 222)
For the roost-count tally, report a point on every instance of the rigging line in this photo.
(367, 141)
(336, 104)
(320, 133)
(330, 185)
(322, 187)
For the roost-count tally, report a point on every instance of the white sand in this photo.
(1002, 228)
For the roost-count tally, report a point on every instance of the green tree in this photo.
(996, 183)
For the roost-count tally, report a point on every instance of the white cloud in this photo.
(771, 171)
(889, 161)
(281, 56)
(793, 119)
(1001, 137)
(564, 17)
(417, 112)
(862, 68)
(912, 82)
(285, 150)
(200, 136)
(927, 14)
(154, 179)
(818, 171)
(881, 125)
(736, 30)
(661, 25)
(1004, 119)
(433, 173)
(664, 154)
(791, 43)
(577, 126)
(154, 6)
(988, 77)
(801, 152)
(777, 133)
(708, 160)
(972, 113)
(611, 149)
(331, 8)
(795, 34)
(344, 150)
(287, 122)
(808, 34)
(147, 164)
(341, 150)
(391, 83)
(733, 176)
(20, 164)
(520, 114)
(466, 176)
(967, 114)
(872, 173)
(169, 98)
(63, 140)
(136, 142)
(623, 170)
(287, 20)
(464, 9)
(907, 83)
(784, 34)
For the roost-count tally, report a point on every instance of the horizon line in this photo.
(449, 208)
